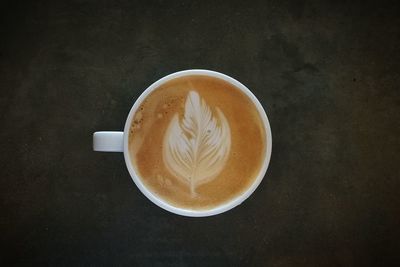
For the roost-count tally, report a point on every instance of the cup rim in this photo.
(223, 207)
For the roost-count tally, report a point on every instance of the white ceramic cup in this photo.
(118, 142)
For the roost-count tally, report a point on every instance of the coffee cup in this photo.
(196, 143)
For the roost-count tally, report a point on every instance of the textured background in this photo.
(327, 74)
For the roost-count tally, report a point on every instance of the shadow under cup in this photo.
(197, 143)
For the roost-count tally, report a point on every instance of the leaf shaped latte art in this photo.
(195, 149)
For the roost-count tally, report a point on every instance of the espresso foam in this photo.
(197, 142)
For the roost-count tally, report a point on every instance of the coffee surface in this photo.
(197, 142)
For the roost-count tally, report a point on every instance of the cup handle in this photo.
(108, 141)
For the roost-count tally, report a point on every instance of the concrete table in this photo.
(327, 75)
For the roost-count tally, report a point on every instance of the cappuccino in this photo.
(197, 142)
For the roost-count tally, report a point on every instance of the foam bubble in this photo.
(138, 116)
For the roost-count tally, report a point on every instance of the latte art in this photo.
(197, 142)
(196, 149)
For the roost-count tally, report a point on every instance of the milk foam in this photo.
(196, 148)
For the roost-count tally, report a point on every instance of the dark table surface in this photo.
(326, 73)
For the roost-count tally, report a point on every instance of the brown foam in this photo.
(247, 141)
